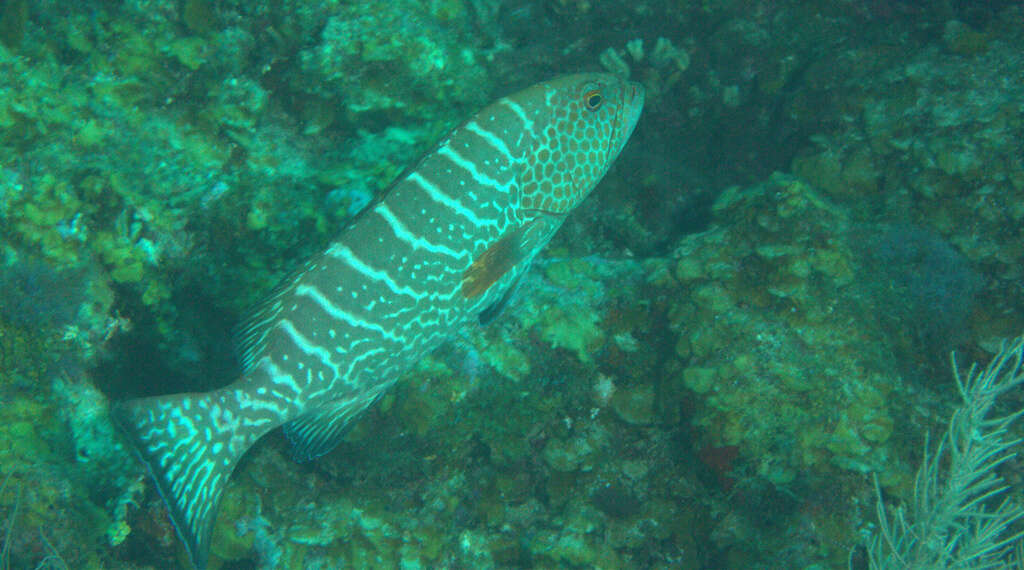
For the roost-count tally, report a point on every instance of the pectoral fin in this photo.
(492, 265)
(318, 431)
(512, 249)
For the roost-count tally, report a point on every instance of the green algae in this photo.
(13, 22)
(508, 360)
(574, 328)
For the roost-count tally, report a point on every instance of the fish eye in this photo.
(592, 99)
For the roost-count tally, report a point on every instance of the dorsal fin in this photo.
(251, 331)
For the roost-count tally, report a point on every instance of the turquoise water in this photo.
(744, 327)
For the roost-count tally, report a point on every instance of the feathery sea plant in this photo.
(5, 552)
(957, 517)
(52, 559)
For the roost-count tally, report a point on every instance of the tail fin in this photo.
(190, 442)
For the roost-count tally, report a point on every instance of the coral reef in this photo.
(757, 288)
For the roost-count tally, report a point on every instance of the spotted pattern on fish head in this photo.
(591, 118)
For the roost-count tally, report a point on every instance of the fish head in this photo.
(589, 119)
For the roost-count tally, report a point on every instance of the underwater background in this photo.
(745, 326)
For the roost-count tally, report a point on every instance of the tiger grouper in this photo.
(443, 246)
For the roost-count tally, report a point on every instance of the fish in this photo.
(442, 247)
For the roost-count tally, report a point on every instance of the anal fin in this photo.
(318, 431)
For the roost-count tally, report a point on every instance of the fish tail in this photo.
(191, 443)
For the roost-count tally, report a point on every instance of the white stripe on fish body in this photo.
(445, 242)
